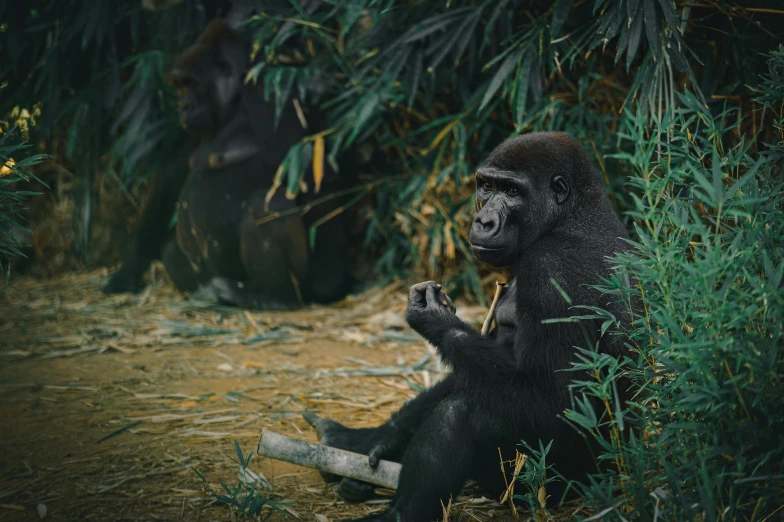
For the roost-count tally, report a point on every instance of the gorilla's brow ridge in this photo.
(498, 174)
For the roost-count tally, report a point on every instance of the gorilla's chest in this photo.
(212, 204)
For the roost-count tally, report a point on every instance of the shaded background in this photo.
(679, 103)
(433, 86)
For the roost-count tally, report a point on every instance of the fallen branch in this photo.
(331, 460)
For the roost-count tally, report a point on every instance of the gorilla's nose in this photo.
(485, 225)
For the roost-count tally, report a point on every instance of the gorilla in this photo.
(543, 216)
(233, 243)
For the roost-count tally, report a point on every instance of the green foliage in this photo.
(436, 85)
(660, 91)
(12, 172)
(97, 71)
(535, 475)
(246, 498)
(703, 438)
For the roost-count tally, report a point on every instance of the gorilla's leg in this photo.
(185, 277)
(436, 464)
(388, 441)
(152, 229)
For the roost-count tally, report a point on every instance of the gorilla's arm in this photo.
(411, 415)
(461, 347)
(152, 229)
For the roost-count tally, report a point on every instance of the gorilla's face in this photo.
(208, 77)
(515, 209)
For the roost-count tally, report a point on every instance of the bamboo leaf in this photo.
(294, 172)
(635, 35)
(522, 90)
(461, 34)
(468, 37)
(441, 135)
(284, 81)
(560, 13)
(745, 179)
(718, 186)
(414, 36)
(631, 10)
(503, 71)
(623, 42)
(366, 109)
(414, 72)
(652, 28)
(672, 20)
(489, 31)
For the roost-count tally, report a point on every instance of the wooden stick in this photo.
(499, 289)
(324, 458)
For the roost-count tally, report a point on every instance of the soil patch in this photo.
(109, 404)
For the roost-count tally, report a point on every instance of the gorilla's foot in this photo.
(328, 433)
(335, 435)
(354, 490)
(209, 293)
(326, 429)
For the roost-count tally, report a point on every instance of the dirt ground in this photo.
(109, 404)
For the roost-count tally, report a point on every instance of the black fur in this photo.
(544, 215)
(152, 230)
(224, 249)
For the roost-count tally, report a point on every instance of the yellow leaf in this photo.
(5, 170)
(440, 137)
(318, 162)
(541, 496)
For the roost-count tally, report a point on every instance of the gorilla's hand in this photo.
(429, 294)
(429, 309)
(391, 444)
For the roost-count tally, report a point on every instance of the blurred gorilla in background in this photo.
(232, 244)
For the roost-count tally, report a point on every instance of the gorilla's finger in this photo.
(416, 296)
(431, 297)
(378, 452)
(416, 299)
(421, 287)
(446, 301)
(374, 458)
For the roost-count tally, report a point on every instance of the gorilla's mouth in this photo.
(483, 248)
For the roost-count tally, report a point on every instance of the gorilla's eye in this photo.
(486, 185)
(511, 191)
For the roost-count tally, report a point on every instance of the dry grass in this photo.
(109, 403)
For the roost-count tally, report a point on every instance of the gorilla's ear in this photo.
(561, 188)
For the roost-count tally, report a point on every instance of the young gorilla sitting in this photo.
(543, 216)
